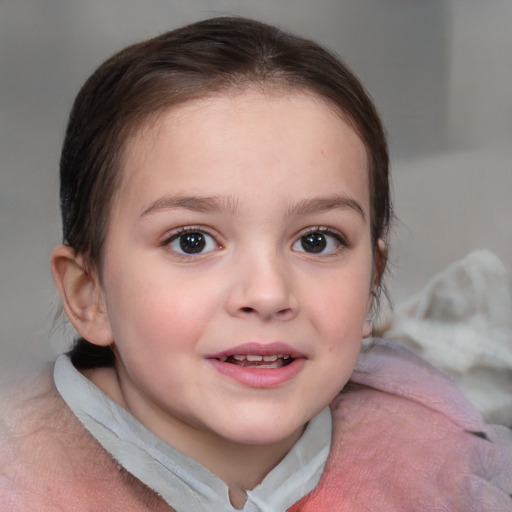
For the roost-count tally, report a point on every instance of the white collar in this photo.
(182, 482)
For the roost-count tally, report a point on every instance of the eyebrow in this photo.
(202, 204)
(322, 204)
(217, 204)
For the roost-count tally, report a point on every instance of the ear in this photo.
(380, 259)
(81, 295)
(368, 324)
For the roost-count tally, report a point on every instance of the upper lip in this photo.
(260, 349)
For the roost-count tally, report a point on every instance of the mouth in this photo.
(259, 355)
(259, 365)
(257, 361)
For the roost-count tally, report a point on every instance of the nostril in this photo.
(284, 312)
(247, 310)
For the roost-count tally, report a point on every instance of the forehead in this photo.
(243, 134)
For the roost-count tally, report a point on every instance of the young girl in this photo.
(225, 204)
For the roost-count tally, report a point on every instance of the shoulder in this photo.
(405, 438)
(49, 462)
(391, 369)
(29, 414)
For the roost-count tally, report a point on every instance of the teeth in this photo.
(255, 358)
(251, 357)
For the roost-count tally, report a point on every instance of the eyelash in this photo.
(183, 230)
(323, 230)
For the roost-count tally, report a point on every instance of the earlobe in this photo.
(81, 296)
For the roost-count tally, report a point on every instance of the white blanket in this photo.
(462, 323)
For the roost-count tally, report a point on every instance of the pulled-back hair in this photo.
(192, 62)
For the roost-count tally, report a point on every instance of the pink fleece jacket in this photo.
(407, 440)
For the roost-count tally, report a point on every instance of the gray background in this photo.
(440, 72)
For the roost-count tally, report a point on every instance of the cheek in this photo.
(150, 310)
(341, 305)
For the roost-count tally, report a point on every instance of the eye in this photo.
(319, 241)
(192, 241)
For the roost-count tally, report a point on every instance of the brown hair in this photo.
(206, 57)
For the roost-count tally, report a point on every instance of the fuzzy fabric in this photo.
(461, 322)
(407, 440)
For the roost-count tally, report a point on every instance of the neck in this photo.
(242, 467)
(239, 465)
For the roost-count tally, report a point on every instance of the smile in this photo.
(258, 361)
(259, 365)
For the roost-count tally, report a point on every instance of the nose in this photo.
(263, 288)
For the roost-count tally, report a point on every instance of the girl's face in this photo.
(238, 266)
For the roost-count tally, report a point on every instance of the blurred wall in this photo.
(439, 71)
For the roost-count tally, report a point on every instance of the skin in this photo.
(274, 167)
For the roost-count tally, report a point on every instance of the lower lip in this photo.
(259, 377)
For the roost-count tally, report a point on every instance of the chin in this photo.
(265, 438)
(263, 431)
